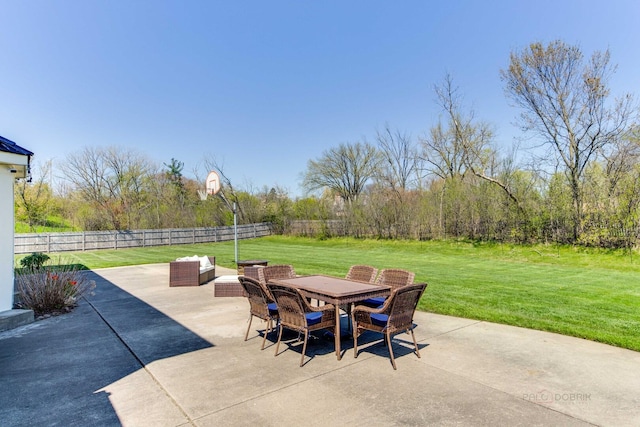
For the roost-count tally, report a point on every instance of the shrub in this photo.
(35, 261)
(56, 289)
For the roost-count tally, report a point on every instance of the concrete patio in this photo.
(140, 353)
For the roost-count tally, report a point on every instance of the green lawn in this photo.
(592, 294)
(55, 224)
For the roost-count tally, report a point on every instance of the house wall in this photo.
(7, 180)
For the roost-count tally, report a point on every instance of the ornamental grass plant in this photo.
(50, 289)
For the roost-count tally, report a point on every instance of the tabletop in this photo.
(335, 290)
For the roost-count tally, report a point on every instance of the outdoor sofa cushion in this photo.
(205, 262)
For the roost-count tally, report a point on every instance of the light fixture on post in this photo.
(212, 187)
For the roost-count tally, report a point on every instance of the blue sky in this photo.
(264, 86)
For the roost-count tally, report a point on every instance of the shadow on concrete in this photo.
(53, 371)
(322, 343)
(147, 332)
(374, 343)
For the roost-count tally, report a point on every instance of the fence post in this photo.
(48, 242)
(115, 240)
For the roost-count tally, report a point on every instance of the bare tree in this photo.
(564, 103)
(448, 148)
(400, 163)
(345, 170)
(621, 158)
(459, 147)
(114, 180)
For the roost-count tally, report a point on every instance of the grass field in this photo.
(587, 293)
(54, 225)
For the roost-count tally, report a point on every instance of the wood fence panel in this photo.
(92, 240)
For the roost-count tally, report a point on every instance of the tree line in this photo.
(580, 183)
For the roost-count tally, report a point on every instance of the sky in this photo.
(265, 86)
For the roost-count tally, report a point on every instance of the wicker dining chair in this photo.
(296, 314)
(393, 277)
(396, 315)
(362, 273)
(278, 271)
(261, 305)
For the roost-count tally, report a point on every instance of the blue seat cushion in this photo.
(379, 319)
(313, 318)
(273, 308)
(374, 302)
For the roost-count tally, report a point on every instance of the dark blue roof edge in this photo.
(9, 146)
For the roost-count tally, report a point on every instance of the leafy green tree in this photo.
(174, 175)
(34, 201)
(312, 208)
(557, 209)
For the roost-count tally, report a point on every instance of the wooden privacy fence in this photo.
(91, 240)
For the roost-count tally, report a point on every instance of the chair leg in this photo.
(304, 348)
(248, 327)
(278, 343)
(355, 339)
(393, 360)
(264, 339)
(414, 342)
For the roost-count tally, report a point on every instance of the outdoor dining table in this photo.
(336, 291)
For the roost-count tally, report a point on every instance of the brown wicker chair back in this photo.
(396, 315)
(259, 304)
(291, 305)
(271, 272)
(296, 314)
(280, 271)
(362, 273)
(402, 307)
(395, 277)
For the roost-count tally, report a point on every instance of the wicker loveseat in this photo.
(192, 271)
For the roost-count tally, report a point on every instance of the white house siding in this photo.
(12, 166)
(6, 237)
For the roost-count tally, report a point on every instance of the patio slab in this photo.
(141, 353)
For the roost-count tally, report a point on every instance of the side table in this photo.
(247, 262)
